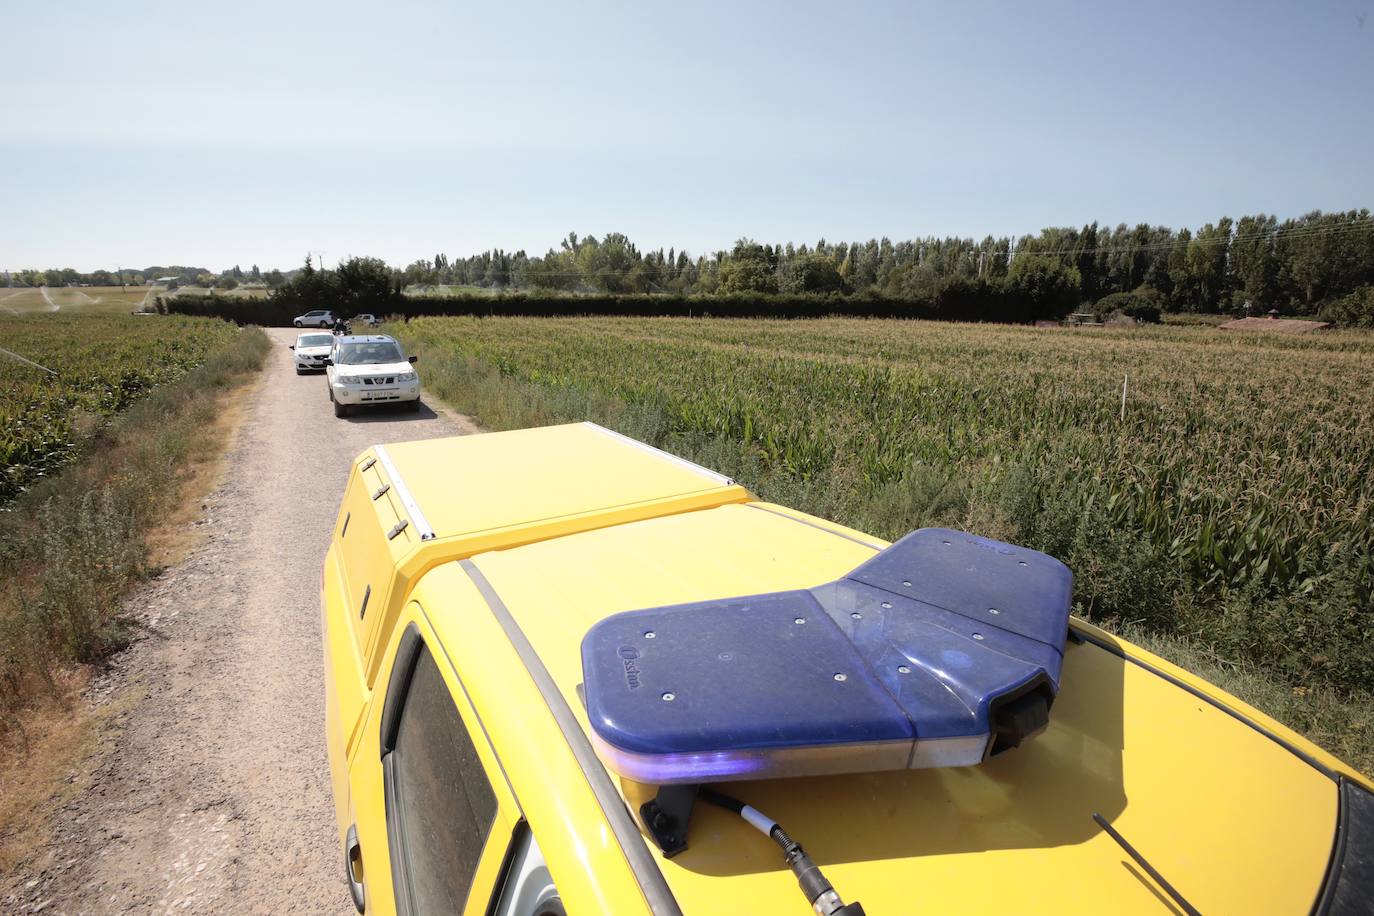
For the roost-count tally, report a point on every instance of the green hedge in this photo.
(985, 304)
(1353, 311)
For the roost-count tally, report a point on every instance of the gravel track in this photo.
(209, 788)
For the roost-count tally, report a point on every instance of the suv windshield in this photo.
(368, 354)
(315, 340)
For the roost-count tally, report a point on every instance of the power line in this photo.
(1277, 234)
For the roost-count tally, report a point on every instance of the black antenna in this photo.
(1140, 860)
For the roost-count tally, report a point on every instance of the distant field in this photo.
(85, 299)
(104, 363)
(108, 300)
(455, 289)
(240, 293)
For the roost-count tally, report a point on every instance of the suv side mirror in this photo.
(413, 358)
(291, 346)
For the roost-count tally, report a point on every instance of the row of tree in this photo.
(1321, 262)
(357, 285)
(181, 275)
(1294, 266)
(1034, 286)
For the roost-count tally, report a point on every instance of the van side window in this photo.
(440, 806)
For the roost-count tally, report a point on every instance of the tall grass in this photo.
(1231, 499)
(73, 544)
(1011, 464)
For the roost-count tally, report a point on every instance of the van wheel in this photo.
(340, 410)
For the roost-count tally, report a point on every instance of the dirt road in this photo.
(209, 791)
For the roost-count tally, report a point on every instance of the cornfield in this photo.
(1227, 497)
(103, 363)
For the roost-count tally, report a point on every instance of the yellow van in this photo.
(570, 673)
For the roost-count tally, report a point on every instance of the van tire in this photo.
(340, 410)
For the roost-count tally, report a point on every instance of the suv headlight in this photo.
(406, 377)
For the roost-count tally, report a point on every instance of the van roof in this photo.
(566, 526)
(1197, 791)
(580, 471)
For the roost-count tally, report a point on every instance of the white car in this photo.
(311, 351)
(320, 318)
(365, 369)
(366, 320)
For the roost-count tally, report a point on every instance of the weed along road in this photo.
(207, 789)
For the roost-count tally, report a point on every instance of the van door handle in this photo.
(353, 864)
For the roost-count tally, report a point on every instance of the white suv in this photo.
(320, 318)
(366, 369)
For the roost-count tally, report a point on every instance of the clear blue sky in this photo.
(215, 133)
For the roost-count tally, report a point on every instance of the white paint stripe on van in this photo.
(417, 517)
(669, 456)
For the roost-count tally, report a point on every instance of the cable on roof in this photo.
(818, 890)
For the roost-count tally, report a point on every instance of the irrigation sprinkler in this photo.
(27, 361)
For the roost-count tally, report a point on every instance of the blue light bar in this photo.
(937, 652)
